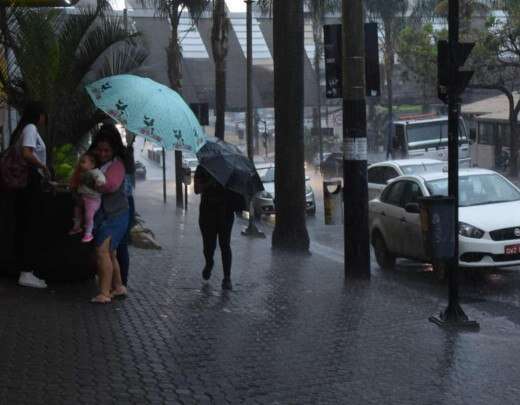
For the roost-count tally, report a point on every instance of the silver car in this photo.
(379, 174)
(264, 202)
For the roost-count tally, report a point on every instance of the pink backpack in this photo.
(14, 171)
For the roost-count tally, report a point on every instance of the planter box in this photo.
(57, 256)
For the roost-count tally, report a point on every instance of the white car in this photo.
(264, 201)
(190, 161)
(489, 218)
(379, 174)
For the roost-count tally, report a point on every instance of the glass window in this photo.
(478, 189)
(268, 176)
(432, 134)
(424, 168)
(427, 132)
(411, 193)
(485, 133)
(393, 193)
(375, 175)
(389, 173)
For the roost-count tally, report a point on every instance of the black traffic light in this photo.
(448, 73)
(333, 60)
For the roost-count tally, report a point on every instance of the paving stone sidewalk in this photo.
(292, 332)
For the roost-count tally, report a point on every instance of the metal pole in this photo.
(178, 178)
(453, 315)
(251, 229)
(453, 153)
(355, 186)
(164, 173)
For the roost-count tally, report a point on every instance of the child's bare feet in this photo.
(87, 238)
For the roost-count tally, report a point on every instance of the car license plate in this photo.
(512, 250)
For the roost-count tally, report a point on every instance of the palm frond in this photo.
(108, 32)
(123, 59)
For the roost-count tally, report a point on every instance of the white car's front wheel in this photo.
(384, 258)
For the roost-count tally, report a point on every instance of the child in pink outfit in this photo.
(85, 182)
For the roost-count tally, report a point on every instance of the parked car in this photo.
(379, 174)
(264, 202)
(140, 170)
(190, 161)
(489, 218)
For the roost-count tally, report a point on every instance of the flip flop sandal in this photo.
(119, 295)
(100, 299)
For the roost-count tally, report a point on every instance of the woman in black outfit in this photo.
(216, 216)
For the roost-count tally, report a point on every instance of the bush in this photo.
(65, 158)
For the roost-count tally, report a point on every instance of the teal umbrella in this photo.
(148, 109)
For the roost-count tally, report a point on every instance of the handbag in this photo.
(14, 171)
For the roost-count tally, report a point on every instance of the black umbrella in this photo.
(227, 164)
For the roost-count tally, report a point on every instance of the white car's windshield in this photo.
(427, 167)
(477, 189)
(266, 174)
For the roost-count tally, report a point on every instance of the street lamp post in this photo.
(251, 229)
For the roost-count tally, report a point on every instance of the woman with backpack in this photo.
(32, 153)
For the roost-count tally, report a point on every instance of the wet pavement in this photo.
(291, 332)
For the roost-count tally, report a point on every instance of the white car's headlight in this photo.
(470, 231)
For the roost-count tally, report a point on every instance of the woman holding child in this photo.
(113, 214)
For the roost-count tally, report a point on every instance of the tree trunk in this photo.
(219, 44)
(174, 56)
(290, 232)
(389, 72)
(513, 137)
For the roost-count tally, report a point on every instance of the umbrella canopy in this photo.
(226, 163)
(148, 109)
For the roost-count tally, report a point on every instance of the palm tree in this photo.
(219, 44)
(290, 232)
(55, 55)
(173, 10)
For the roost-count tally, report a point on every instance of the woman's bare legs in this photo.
(117, 283)
(105, 271)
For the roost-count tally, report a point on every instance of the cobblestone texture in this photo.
(292, 332)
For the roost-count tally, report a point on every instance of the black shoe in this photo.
(226, 284)
(206, 273)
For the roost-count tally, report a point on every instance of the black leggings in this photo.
(217, 220)
(28, 216)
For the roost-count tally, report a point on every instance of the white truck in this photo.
(428, 138)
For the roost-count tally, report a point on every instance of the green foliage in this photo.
(65, 158)
(417, 50)
(56, 55)
(496, 55)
